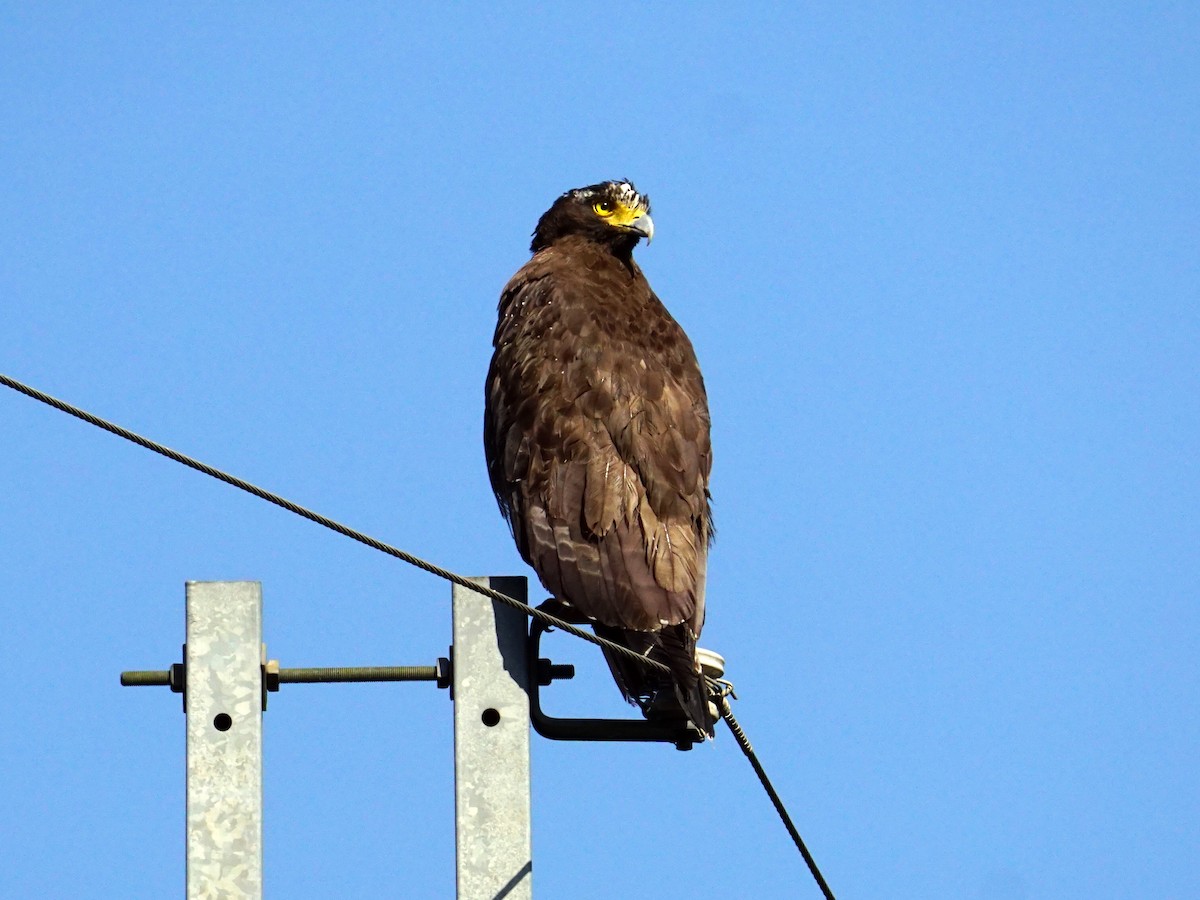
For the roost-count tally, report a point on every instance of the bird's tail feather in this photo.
(683, 693)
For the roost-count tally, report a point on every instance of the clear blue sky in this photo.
(942, 270)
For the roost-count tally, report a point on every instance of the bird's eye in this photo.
(604, 208)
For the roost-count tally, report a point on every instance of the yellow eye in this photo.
(604, 208)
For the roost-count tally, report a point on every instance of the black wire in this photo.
(347, 531)
(744, 743)
(325, 521)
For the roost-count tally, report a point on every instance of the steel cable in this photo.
(748, 750)
(344, 530)
(453, 577)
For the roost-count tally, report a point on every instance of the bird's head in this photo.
(611, 213)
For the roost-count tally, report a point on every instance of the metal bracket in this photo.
(669, 731)
(681, 733)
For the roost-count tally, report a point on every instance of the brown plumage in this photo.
(596, 431)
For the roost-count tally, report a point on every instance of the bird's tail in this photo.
(683, 693)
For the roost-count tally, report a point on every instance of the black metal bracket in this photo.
(679, 732)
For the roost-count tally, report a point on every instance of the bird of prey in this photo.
(596, 432)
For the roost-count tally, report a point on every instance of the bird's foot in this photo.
(564, 611)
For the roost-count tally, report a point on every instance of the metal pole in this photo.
(491, 744)
(224, 702)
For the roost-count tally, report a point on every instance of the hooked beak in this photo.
(644, 226)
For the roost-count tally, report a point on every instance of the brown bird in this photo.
(596, 432)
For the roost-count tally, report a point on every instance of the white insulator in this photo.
(711, 664)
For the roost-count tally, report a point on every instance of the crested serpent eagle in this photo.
(596, 431)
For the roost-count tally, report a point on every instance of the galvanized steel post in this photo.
(223, 701)
(491, 744)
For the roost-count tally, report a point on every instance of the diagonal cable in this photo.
(325, 521)
(748, 750)
(396, 552)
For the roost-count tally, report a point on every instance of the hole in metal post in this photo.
(491, 717)
(222, 721)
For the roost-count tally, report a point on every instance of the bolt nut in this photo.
(445, 672)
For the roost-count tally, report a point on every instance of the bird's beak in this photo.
(644, 226)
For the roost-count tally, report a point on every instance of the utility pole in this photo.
(223, 662)
(225, 678)
(494, 673)
(491, 744)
